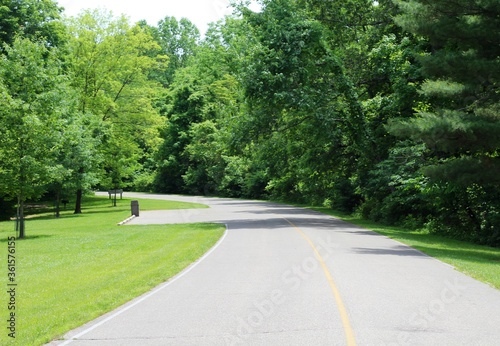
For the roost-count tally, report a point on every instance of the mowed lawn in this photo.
(73, 269)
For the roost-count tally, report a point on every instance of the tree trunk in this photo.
(78, 203)
(20, 217)
(79, 193)
(114, 199)
(58, 201)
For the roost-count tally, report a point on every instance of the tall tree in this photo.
(110, 63)
(33, 19)
(34, 103)
(461, 123)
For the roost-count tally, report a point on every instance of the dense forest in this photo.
(387, 108)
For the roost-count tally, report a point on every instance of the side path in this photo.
(290, 276)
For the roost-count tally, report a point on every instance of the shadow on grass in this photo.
(51, 217)
(28, 237)
(462, 253)
(106, 211)
(85, 212)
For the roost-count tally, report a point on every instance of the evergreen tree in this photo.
(461, 123)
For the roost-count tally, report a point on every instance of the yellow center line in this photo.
(351, 341)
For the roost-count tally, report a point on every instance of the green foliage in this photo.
(314, 105)
(200, 136)
(470, 214)
(388, 106)
(79, 154)
(32, 19)
(7, 209)
(185, 109)
(461, 127)
(110, 63)
(397, 190)
(178, 41)
(309, 118)
(32, 111)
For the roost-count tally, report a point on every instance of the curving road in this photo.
(283, 275)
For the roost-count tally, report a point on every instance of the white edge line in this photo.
(151, 293)
(130, 218)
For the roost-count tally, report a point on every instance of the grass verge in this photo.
(73, 269)
(479, 262)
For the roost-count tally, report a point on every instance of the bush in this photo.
(343, 196)
(467, 213)
(144, 182)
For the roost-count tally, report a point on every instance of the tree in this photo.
(36, 20)
(33, 19)
(178, 40)
(34, 103)
(78, 156)
(110, 63)
(461, 122)
(185, 109)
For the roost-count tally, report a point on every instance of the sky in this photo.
(200, 12)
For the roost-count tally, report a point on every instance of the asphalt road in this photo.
(283, 275)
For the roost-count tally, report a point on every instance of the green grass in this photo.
(479, 262)
(73, 269)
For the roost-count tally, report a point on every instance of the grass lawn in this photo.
(73, 269)
(479, 262)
